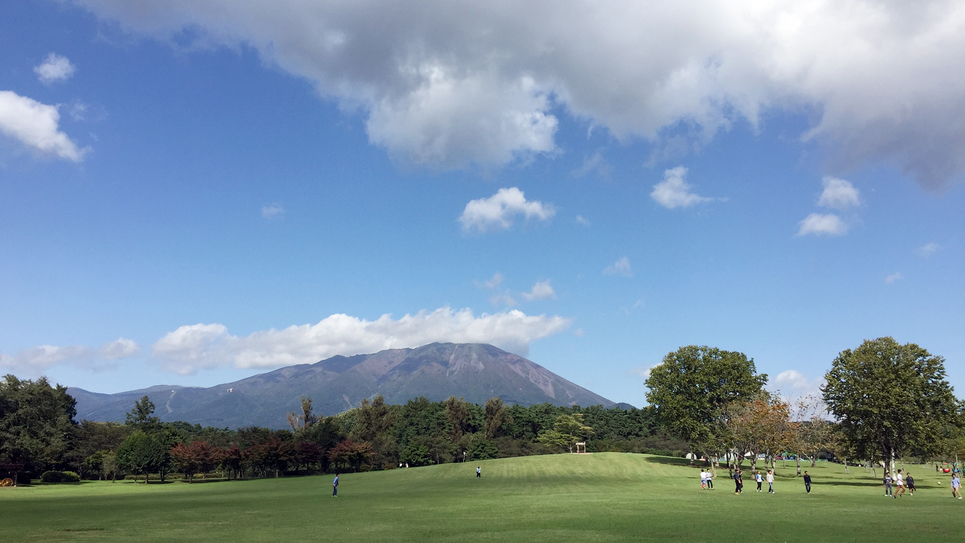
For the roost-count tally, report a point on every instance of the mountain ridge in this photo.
(475, 372)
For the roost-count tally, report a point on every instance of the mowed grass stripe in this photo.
(595, 497)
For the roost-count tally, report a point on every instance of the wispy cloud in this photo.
(838, 194)
(820, 224)
(54, 68)
(36, 360)
(893, 277)
(500, 210)
(273, 212)
(928, 249)
(620, 267)
(199, 346)
(580, 219)
(594, 163)
(541, 291)
(674, 192)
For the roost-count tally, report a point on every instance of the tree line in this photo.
(881, 402)
(37, 431)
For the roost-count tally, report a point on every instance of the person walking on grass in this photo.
(899, 485)
(887, 481)
(738, 483)
(910, 483)
(710, 480)
(770, 481)
(703, 478)
(335, 487)
(807, 482)
(956, 484)
(478, 472)
(760, 480)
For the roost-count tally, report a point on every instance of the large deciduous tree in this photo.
(890, 399)
(36, 423)
(691, 389)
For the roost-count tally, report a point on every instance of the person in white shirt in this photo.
(900, 484)
(770, 482)
(703, 478)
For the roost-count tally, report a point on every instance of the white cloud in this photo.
(191, 348)
(499, 210)
(794, 385)
(455, 83)
(55, 68)
(35, 125)
(594, 163)
(273, 211)
(620, 267)
(893, 277)
(673, 191)
(540, 291)
(493, 282)
(583, 220)
(928, 249)
(838, 193)
(820, 224)
(642, 371)
(500, 297)
(36, 360)
(117, 349)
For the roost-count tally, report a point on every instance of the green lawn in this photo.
(561, 498)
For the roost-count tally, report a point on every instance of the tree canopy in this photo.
(36, 423)
(890, 399)
(693, 386)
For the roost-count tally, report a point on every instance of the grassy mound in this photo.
(583, 498)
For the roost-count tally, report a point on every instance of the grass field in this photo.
(560, 498)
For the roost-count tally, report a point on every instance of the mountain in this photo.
(471, 371)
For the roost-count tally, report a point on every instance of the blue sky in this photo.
(192, 192)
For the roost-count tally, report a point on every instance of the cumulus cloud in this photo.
(36, 125)
(820, 224)
(893, 277)
(928, 249)
(541, 291)
(620, 267)
(452, 83)
(272, 211)
(194, 347)
(499, 210)
(55, 68)
(673, 191)
(117, 349)
(838, 193)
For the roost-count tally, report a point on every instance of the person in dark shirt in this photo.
(738, 482)
(910, 482)
(807, 482)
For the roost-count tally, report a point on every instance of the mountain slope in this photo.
(471, 371)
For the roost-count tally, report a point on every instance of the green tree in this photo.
(566, 432)
(143, 453)
(890, 399)
(693, 386)
(495, 416)
(141, 417)
(36, 423)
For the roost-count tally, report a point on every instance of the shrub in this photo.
(60, 477)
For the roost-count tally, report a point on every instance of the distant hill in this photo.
(471, 371)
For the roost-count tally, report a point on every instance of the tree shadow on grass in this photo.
(669, 460)
(850, 483)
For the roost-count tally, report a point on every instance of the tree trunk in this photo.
(846, 465)
(798, 464)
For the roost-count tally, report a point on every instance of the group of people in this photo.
(707, 480)
(901, 482)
